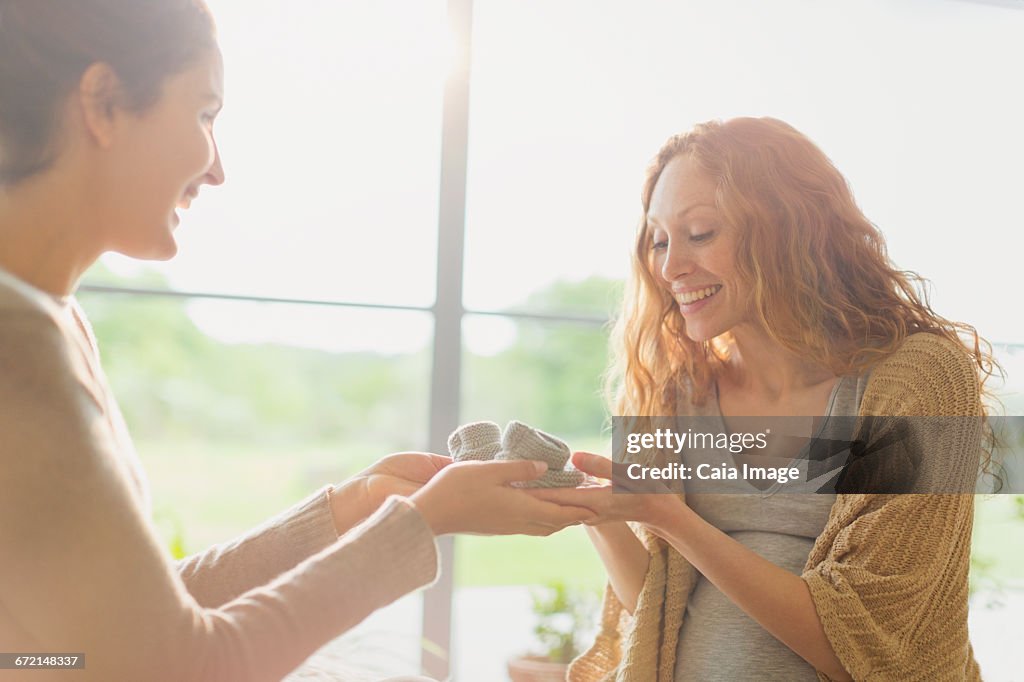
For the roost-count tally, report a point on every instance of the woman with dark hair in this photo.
(759, 289)
(106, 126)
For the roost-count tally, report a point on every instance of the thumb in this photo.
(592, 464)
(508, 471)
(439, 461)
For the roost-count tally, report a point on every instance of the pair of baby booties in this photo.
(485, 441)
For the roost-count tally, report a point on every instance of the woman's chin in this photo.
(156, 250)
(164, 251)
(699, 333)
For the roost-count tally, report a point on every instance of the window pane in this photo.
(915, 102)
(330, 140)
(1010, 390)
(547, 374)
(997, 546)
(240, 409)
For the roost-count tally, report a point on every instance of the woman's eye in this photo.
(702, 237)
(659, 245)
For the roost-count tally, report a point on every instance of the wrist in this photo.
(666, 514)
(350, 504)
(608, 529)
(431, 511)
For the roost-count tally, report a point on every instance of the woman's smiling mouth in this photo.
(687, 298)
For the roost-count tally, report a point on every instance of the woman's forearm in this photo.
(778, 600)
(625, 559)
(350, 504)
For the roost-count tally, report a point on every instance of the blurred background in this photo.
(292, 340)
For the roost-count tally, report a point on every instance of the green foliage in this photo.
(174, 382)
(551, 377)
(564, 618)
(526, 560)
(594, 296)
(997, 544)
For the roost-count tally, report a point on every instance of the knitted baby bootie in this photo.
(477, 440)
(523, 442)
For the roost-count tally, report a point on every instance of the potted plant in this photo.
(565, 617)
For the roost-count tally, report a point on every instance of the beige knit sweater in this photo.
(82, 568)
(888, 575)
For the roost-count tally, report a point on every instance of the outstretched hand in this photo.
(402, 473)
(608, 506)
(478, 498)
(465, 497)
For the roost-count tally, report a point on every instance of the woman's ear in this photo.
(100, 97)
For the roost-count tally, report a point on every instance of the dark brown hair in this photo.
(46, 45)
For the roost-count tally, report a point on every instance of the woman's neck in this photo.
(764, 368)
(44, 235)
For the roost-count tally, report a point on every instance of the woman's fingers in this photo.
(592, 464)
(605, 504)
(511, 471)
(414, 466)
(571, 496)
(438, 461)
(560, 515)
(558, 518)
(476, 497)
(595, 498)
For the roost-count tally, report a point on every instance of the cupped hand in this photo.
(478, 498)
(402, 473)
(608, 506)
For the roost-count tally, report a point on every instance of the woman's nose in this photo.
(679, 262)
(215, 173)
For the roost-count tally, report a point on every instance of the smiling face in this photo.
(694, 250)
(161, 158)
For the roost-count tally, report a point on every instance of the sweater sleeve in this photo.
(641, 647)
(224, 571)
(888, 575)
(83, 570)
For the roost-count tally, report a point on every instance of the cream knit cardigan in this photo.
(888, 574)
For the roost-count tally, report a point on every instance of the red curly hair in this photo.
(820, 279)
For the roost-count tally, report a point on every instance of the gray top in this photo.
(717, 640)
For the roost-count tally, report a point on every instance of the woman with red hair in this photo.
(759, 289)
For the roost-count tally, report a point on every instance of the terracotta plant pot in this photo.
(536, 669)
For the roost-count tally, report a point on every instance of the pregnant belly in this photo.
(718, 641)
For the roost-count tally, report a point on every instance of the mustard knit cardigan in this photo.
(888, 574)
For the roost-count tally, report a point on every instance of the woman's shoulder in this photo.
(927, 374)
(928, 356)
(35, 349)
(25, 330)
(17, 296)
(25, 324)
